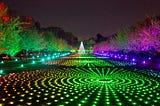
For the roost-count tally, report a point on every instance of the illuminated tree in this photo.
(89, 44)
(10, 40)
(31, 40)
(102, 46)
(146, 38)
(62, 45)
(2, 49)
(54, 43)
(51, 40)
(3, 10)
(122, 40)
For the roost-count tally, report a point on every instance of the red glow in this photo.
(3, 10)
(6, 18)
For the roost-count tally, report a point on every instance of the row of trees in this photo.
(25, 34)
(144, 37)
(14, 38)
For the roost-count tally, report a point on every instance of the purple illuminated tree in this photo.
(146, 38)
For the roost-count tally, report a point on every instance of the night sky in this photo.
(86, 17)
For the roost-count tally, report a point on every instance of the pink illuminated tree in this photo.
(146, 38)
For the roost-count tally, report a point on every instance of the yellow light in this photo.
(1, 104)
(52, 96)
(29, 103)
(11, 102)
(3, 99)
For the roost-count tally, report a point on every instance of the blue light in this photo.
(2, 62)
(16, 59)
(43, 60)
(48, 58)
(1, 71)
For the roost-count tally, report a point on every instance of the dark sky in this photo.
(86, 17)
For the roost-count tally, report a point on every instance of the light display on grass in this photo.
(22, 65)
(89, 85)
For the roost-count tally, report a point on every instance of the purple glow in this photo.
(133, 59)
(144, 62)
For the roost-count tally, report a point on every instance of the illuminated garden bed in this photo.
(81, 85)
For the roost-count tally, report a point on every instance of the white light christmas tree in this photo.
(81, 49)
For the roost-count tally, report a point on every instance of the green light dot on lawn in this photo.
(75, 97)
(71, 99)
(85, 98)
(119, 103)
(22, 65)
(148, 98)
(155, 101)
(146, 102)
(66, 102)
(158, 97)
(96, 99)
(130, 100)
(83, 101)
(134, 103)
(2, 62)
(67, 95)
(33, 62)
(140, 99)
(117, 100)
(107, 99)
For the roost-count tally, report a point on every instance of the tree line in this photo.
(145, 36)
(14, 38)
